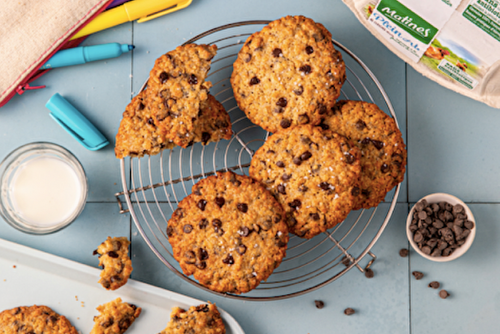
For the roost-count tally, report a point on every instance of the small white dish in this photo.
(436, 198)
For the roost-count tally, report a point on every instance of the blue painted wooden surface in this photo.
(452, 147)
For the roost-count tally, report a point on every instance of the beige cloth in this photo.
(31, 29)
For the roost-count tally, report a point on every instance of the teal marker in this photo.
(84, 54)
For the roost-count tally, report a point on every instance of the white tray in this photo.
(29, 277)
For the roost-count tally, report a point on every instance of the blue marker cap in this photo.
(75, 123)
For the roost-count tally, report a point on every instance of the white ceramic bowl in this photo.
(436, 198)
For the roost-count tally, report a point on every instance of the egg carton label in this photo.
(486, 15)
(457, 73)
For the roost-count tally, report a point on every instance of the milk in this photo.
(45, 191)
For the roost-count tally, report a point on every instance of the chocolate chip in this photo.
(285, 123)
(203, 308)
(220, 201)
(297, 161)
(385, 168)
(349, 158)
(447, 251)
(277, 53)
(286, 177)
(436, 252)
(205, 137)
(190, 257)
(242, 207)
(202, 254)
(299, 90)
(201, 204)
(369, 273)
(254, 81)
(458, 208)
(403, 252)
(280, 164)
(193, 80)
(112, 254)
(378, 144)
(281, 189)
(95, 252)
(305, 68)
(296, 203)
(115, 279)
(365, 141)
(314, 216)
(244, 231)
(163, 77)
(319, 304)
(305, 156)
(282, 102)
(426, 250)
(303, 188)
(228, 260)
(241, 249)
(234, 180)
(349, 311)
(434, 285)
(303, 119)
(326, 186)
(469, 224)
(309, 49)
(345, 261)
(355, 191)
(187, 228)
(248, 58)
(443, 294)
(203, 223)
(360, 125)
(418, 275)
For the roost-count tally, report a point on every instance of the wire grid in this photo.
(157, 183)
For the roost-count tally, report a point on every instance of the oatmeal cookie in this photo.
(176, 88)
(229, 233)
(115, 317)
(138, 133)
(116, 264)
(314, 174)
(288, 74)
(202, 319)
(383, 151)
(34, 319)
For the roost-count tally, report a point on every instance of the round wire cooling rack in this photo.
(153, 185)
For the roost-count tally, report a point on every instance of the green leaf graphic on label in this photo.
(407, 20)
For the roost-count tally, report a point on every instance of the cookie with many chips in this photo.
(287, 74)
(314, 174)
(383, 151)
(176, 89)
(201, 319)
(34, 319)
(229, 233)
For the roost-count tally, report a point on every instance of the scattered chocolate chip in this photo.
(303, 188)
(202, 254)
(303, 119)
(241, 249)
(369, 273)
(349, 311)
(378, 144)
(193, 80)
(306, 69)
(286, 177)
(349, 158)
(201, 204)
(469, 224)
(296, 203)
(242, 207)
(190, 257)
(299, 90)
(355, 191)
(282, 102)
(228, 260)
(285, 123)
(203, 223)
(280, 164)
(314, 216)
(277, 53)
(319, 304)
(418, 275)
(220, 201)
(187, 228)
(309, 49)
(163, 77)
(443, 294)
(305, 156)
(345, 261)
(385, 168)
(281, 189)
(403, 252)
(254, 81)
(112, 254)
(244, 231)
(297, 161)
(205, 137)
(95, 252)
(426, 250)
(325, 186)
(434, 285)
(360, 125)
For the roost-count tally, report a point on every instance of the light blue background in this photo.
(452, 146)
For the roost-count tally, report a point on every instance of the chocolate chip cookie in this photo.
(229, 233)
(176, 89)
(202, 319)
(139, 134)
(314, 174)
(115, 317)
(34, 319)
(289, 73)
(383, 151)
(116, 264)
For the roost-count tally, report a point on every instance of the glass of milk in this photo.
(43, 188)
